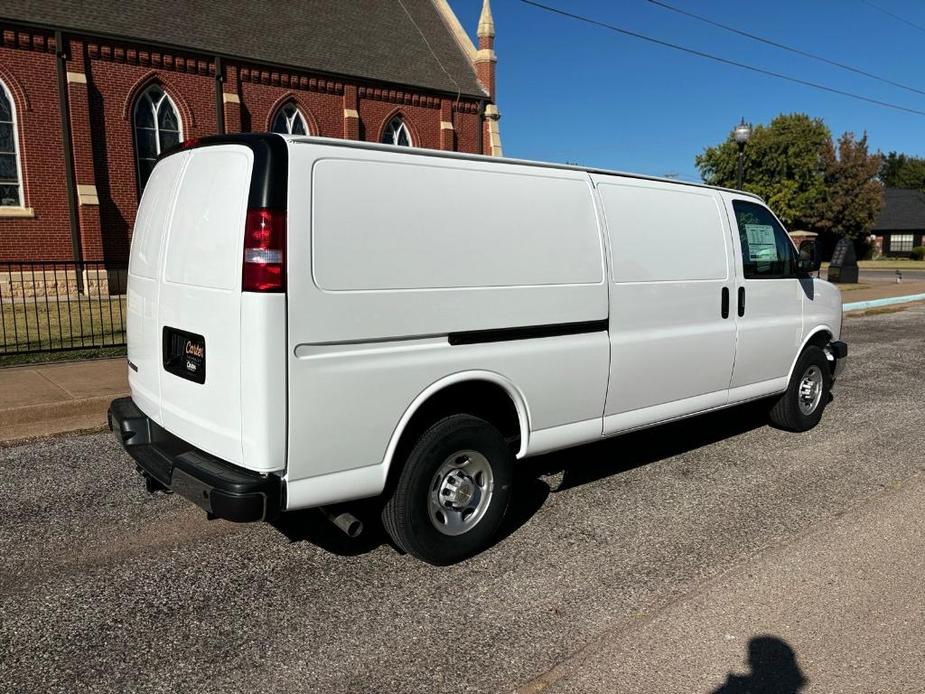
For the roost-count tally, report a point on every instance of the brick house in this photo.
(901, 224)
(91, 93)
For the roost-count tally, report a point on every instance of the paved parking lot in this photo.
(103, 588)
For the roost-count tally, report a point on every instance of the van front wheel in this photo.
(800, 408)
(452, 492)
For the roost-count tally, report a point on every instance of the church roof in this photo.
(405, 42)
(903, 210)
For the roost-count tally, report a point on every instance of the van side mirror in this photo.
(809, 260)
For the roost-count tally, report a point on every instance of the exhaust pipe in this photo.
(345, 521)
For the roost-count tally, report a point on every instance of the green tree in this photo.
(783, 164)
(851, 194)
(793, 164)
(903, 171)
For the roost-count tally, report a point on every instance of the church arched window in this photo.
(397, 133)
(10, 169)
(157, 129)
(290, 121)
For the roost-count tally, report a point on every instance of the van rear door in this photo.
(199, 305)
(144, 271)
(208, 358)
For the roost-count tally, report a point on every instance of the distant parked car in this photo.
(314, 321)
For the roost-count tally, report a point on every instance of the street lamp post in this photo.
(742, 132)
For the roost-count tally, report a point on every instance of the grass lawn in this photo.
(888, 264)
(879, 310)
(53, 357)
(39, 325)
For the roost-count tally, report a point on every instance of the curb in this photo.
(54, 418)
(876, 303)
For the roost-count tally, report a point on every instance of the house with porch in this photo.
(901, 225)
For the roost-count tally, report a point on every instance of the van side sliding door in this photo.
(672, 330)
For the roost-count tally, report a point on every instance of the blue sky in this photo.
(569, 91)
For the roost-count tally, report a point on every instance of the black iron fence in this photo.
(52, 306)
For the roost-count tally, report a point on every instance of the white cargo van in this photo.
(314, 321)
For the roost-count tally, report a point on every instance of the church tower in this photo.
(485, 62)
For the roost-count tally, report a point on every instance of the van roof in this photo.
(357, 144)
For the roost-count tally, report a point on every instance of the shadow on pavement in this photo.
(589, 463)
(536, 478)
(774, 670)
(311, 526)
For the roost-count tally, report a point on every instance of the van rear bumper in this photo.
(221, 489)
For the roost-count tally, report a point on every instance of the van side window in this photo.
(767, 252)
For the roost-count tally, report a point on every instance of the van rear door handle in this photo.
(741, 301)
(724, 308)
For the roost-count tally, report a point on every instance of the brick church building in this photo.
(91, 93)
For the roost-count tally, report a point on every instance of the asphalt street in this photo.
(624, 567)
(886, 276)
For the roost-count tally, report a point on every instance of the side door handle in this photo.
(724, 304)
(741, 301)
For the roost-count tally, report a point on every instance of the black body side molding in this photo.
(529, 332)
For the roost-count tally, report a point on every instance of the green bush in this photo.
(868, 251)
(918, 253)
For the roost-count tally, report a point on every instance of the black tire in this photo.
(786, 412)
(407, 513)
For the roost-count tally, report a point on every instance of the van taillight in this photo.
(264, 251)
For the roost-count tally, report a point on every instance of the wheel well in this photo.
(480, 398)
(821, 339)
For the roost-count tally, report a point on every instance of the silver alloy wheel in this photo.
(810, 392)
(460, 492)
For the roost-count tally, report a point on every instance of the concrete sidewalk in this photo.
(884, 291)
(840, 610)
(54, 398)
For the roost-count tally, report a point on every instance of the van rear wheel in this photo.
(801, 407)
(452, 492)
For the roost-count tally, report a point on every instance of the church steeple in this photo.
(485, 62)
(486, 25)
(485, 57)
